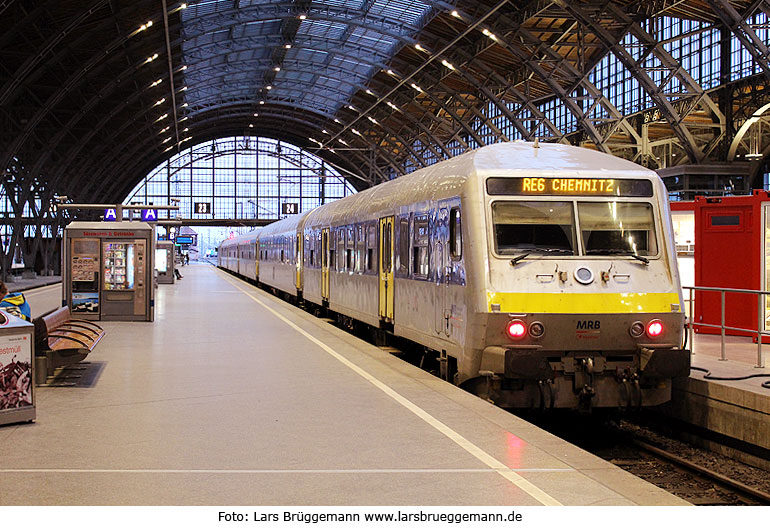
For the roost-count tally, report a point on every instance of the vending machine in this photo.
(108, 270)
(164, 261)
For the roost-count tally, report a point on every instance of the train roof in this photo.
(241, 238)
(445, 179)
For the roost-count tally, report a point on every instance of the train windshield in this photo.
(534, 227)
(617, 228)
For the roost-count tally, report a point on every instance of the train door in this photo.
(441, 263)
(298, 251)
(386, 269)
(256, 259)
(325, 264)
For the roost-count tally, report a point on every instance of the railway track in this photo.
(696, 475)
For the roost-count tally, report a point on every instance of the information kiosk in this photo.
(108, 270)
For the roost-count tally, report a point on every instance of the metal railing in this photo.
(759, 330)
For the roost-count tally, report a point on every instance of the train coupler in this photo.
(585, 399)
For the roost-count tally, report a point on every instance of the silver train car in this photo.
(542, 276)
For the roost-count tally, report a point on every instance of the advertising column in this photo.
(16, 365)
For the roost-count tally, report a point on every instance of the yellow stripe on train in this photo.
(584, 302)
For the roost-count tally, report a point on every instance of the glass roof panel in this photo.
(233, 48)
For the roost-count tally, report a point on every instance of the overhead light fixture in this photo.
(261, 101)
(356, 132)
(456, 13)
(269, 87)
(162, 117)
(287, 46)
(164, 129)
(251, 125)
(277, 68)
(447, 64)
(183, 119)
(417, 88)
(337, 121)
(372, 120)
(184, 105)
(185, 129)
(183, 68)
(303, 16)
(166, 140)
(160, 102)
(156, 83)
(183, 88)
(369, 92)
(351, 107)
(256, 114)
(324, 131)
(183, 6)
(169, 148)
(489, 34)
(420, 48)
(343, 142)
(151, 58)
(392, 106)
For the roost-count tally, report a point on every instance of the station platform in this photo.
(726, 397)
(233, 397)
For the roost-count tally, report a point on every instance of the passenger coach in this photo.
(542, 276)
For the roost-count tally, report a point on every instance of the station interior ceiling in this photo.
(96, 93)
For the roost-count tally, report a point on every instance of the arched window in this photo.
(243, 177)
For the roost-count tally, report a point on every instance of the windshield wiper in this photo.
(619, 251)
(520, 257)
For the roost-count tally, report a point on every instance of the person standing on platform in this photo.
(14, 303)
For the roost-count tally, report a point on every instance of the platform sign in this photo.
(185, 240)
(111, 214)
(289, 208)
(150, 216)
(202, 207)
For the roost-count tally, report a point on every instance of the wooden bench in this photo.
(61, 340)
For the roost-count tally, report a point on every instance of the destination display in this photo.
(594, 187)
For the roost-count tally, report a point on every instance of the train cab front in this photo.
(583, 302)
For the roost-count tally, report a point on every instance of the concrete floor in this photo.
(233, 397)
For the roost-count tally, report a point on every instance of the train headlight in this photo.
(536, 329)
(584, 275)
(636, 330)
(654, 328)
(516, 329)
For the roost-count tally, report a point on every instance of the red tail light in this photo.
(516, 329)
(654, 328)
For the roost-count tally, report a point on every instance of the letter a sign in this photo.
(149, 216)
(110, 214)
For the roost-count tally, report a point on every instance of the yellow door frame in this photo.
(386, 291)
(325, 264)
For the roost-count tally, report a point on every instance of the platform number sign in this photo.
(289, 208)
(202, 207)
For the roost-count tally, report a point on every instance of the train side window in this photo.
(403, 244)
(420, 260)
(332, 249)
(455, 234)
(360, 248)
(341, 249)
(371, 245)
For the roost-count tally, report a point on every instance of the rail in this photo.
(722, 326)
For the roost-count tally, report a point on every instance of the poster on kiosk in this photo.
(17, 390)
(109, 270)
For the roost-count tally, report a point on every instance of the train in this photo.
(542, 275)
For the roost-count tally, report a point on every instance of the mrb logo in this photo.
(588, 329)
